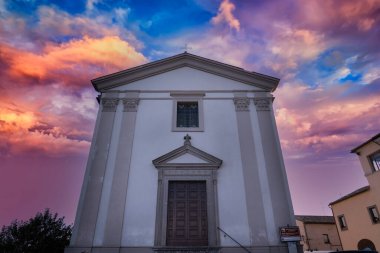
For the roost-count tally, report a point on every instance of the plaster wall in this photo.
(303, 242)
(359, 224)
(154, 139)
(373, 177)
(313, 236)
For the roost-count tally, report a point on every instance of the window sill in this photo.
(187, 129)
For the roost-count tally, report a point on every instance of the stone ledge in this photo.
(186, 249)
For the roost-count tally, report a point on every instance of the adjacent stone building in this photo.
(184, 148)
(357, 213)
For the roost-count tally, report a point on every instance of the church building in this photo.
(185, 157)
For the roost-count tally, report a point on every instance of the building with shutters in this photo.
(185, 157)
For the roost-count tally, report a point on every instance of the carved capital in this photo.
(130, 104)
(109, 104)
(241, 104)
(263, 103)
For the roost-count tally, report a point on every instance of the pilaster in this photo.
(272, 229)
(94, 179)
(115, 214)
(108, 177)
(85, 179)
(254, 201)
(275, 169)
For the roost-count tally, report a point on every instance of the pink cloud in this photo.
(218, 47)
(26, 128)
(358, 14)
(56, 23)
(289, 46)
(317, 121)
(225, 15)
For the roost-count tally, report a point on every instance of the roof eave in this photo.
(315, 219)
(354, 150)
(350, 195)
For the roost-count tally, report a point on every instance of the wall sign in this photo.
(290, 234)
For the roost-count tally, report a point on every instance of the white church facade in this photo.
(185, 157)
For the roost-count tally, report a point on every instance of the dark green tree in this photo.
(43, 233)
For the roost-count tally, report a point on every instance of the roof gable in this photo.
(187, 156)
(185, 59)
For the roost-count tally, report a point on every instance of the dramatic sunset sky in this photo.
(326, 53)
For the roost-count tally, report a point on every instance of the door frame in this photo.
(186, 174)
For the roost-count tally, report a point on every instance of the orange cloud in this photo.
(48, 119)
(22, 131)
(48, 105)
(87, 56)
(225, 15)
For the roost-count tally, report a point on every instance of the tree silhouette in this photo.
(43, 233)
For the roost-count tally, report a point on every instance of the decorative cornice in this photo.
(241, 104)
(109, 104)
(263, 103)
(127, 76)
(130, 104)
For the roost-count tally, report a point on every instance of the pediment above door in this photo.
(187, 156)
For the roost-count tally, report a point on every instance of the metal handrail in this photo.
(241, 246)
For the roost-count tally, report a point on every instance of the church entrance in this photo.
(187, 214)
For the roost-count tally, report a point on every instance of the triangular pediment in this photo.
(104, 83)
(187, 156)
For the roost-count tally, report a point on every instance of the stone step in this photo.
(186, 250)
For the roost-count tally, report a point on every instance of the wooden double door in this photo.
(187, 214)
